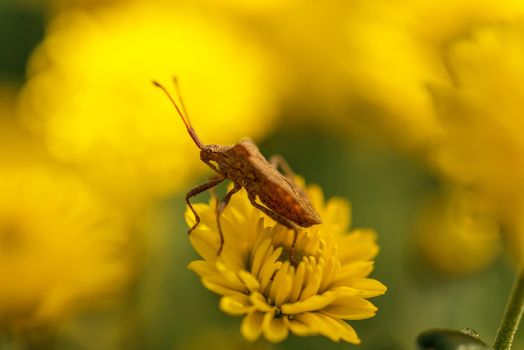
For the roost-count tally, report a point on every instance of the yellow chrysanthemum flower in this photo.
(458, 233)
(62, 246)
(394, 51)
(59, 246)
(327, 284)
(90, 93)
(483, 113)
(483, 144)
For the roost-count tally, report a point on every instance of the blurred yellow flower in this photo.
(458, 233)
(483, 113)
(483, 116)
(59, 246)
(90, 93)
(256, 278)
(394, 51)
(62, 247)
(365, 63)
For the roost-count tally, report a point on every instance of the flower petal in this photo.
(331, 268)
(334, 329)
(275, 329)
(260, 254)
(345, 291)
(268, 268)
(259, 302)
(249, 280)
(315, 195)
(281, 285)
(227, 275)
(312, 281)
(350, 272)
(251, 326)
(345, 331)
(298, 282)
(350, 308)
(299, 328)
(201, 208)
(318, 324)
(205, 242)
(369, 287)
(236, 304)
(313, 303)
(202, 267)
(337, 216)
(363, 246)
(218, 286)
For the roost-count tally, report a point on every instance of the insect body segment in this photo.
(280, 198)
(276, 191)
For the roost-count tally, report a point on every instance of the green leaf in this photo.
(449, 339)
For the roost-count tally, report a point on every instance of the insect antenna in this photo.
(185, 119)
(179, 95)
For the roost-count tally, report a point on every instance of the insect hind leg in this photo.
(219, 209)
(281, 220)
(277, 161)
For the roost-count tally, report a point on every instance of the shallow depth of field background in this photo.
(348, 92)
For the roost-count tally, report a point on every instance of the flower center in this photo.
(294, 258)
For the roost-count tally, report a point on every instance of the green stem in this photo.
(512, 315)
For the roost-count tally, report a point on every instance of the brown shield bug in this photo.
(281, 199)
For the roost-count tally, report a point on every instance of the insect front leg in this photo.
(281, 220)
(219, 209)
(197, 190)
(212, 189)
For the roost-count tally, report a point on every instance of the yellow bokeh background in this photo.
(410, 109)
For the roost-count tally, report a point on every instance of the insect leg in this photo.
(197, 190)
(212, 166)
(212, 189)
(281, 220)
(273, 215)
(219, 209)
(293, 244)
(277, 161)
